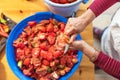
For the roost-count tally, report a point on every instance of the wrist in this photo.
(90, 52)
(94, 56)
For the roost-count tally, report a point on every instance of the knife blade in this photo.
(10, 24)
(67, 45)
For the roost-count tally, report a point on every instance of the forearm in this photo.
(86, 18)
(106, 63)
(109, 65)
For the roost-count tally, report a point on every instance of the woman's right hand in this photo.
(74, 26)
(78, 24)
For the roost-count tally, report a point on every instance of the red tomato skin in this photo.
(43, 54)
(26, 61)
(44, 45)
(45, 62)
(49, 56)
(50, 27)
(32, 23)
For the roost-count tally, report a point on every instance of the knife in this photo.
(67, 45)
(10, 24)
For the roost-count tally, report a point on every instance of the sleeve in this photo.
(109, 65)
(99, 6)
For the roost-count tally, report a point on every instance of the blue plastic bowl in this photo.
(17, 31)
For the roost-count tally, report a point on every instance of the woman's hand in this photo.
(74, 26)
(77, 25)
(88, 50)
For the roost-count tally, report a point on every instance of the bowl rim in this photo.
(62, 5)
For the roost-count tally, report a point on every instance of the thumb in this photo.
(78, 45)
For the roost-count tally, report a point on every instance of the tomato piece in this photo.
(35, 61)
(42, 29)
(27, 51)
(44, 22)
(62, 26)
(42, 36)
(63, 61)
(51, 38)
(56, 28)
(35, 52)
(64, 1)
(26, 72)
(51, 49)
(24, 35)
(50, 27)
(49, 56)
(45, 62)
(26, 61)
(19, 52)
(19, 45)
(43, 78)
(44, 45)
(43, 54)
(32, 23)
(56, 54)
(56, 1)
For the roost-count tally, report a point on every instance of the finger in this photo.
(67, 28)
(77, 45)
(72, 38)
(72, 48)
(70, 31)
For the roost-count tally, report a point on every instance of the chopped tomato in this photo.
(43, 54)
(50, 27)
(26, 61)
(27, 51)
(45, 62)
(26, 72)
(31, 23)
(56, 1)
(56, 54)
(49, 56)
(56, 28)
(24, 35)
(62, 26)
(44, 45)
(35, 52)
(42, 29)
(44, 22)
(42, 36)
(63, 1)
(19, 52)
(51, 38)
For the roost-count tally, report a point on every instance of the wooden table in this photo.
(19, 9)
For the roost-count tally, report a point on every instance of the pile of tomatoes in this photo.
(63, 1)
(39, 50)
